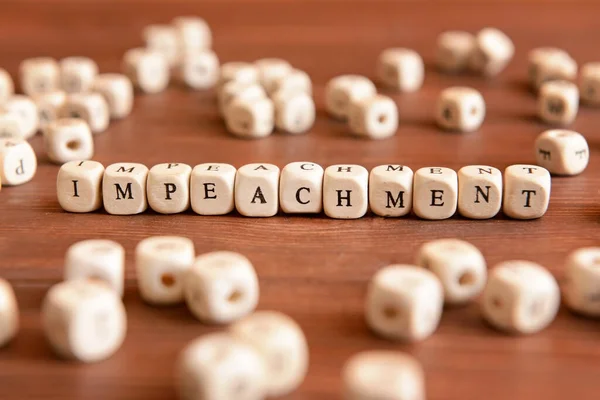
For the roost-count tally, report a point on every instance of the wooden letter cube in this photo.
(147, 69)
(97, 259)
(435, 193)
(479, 191)
(294, 112)
(401, 69)
(90, 107)
(124, 188)
(589, 84)
(169, 188)
(293, 82)
(194, 33)
(39, 75)
(454, 49)
(49, 105)
(582, 286)
(26, 111)
(9, 313)
(526, 191)
(79, 186)
(234, 90)
(558, 102)
(343, 90)
(211, 189)
(301, 189)
(10, 125)
(219, 366)
(84, 320)
(7, 87)
(460, 109)
(18, 162)
(390, 190)
(68, 139)
(77, 74)
(161, 263)
(163, 39)
(404, 302)
(373, 117)
(520, 297)
(250, 118)
(221, 287)
(118, 93)
(238, 71)
(270, 70)
(383, 375)
(257, 190)
(550, 64)
(198, 69)
(562, 152)
(281, 343)
(345, 191)
(493, 51)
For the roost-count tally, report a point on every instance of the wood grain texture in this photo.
(313, 268)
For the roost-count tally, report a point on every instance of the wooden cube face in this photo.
(390, 190)
(18, 162)
(526, 191)
(234, 90)
(582, 280)
(161, 264)
(460, 109)
(520, 296)
(124, 188)
(257, 190)
(562, 152)
(199, 70)
(9, 313)
(238, 71)
(479, 191)
(39, 75)
(49, 105)
(90, 107)
(117, 90)
(250, 118)
(211, 189)
(26, 111)
(221, 287)
(345, 191)
(454, 50)
(10, 127)
(79, 186)
(558, 102)
(193, 33)
(373, 117)
(270, 70)
(401, 69)
(492, 53)
(147, 69)
(77, 74)
(404, 302)
(7, 87)
(68, 139)
(162, 39)
(169, 188)
(301, 189)
(296, 81)
(435, 193)
(550, 64)
(294, 112)
(589, 85)
(341, 91)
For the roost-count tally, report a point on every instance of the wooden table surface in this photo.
(313, 268)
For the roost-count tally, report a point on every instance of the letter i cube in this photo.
(124, 188)
(169, 188)
(79, 186)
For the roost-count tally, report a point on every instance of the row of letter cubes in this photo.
(341, 191)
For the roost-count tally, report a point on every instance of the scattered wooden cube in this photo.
(435, 193)
(239, 71)
(459, 265)
(345, 191)
(90, 107)
(39, 75)
(68, 139)
(7, 87)
(77, 74)
(211, 188)
(18, 162)
(97, 260)
(373, 117)
(250, 118)
(404, 302)
(294, 111)
(9, 313)
(49, 105)
(526, 191)
(79, 186)
(257, 190)
(520, 297)
(221, 287)
(343, 90)
(301, 188)
(401, 69)
(562, 152)
(161, 263)
(219, 366)
(26, 111)
(84, 320)
(391, 190)
(163, 39)
(168, 188)
(460, 109)
(383, 375)
(582, 281)
(118, 93)
(281, 343)
(589, 85)
(124, 188)
(454, 50)
(293, 82)
(479, 191)
(493, 51)
(550, 64)
(558, 102)
(147, 69)
(271, 70)
(10, 125)
(198, 69)
(234, 90)
(193, 32)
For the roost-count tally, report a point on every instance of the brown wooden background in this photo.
(313, 268)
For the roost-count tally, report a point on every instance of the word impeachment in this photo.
(341, 191)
